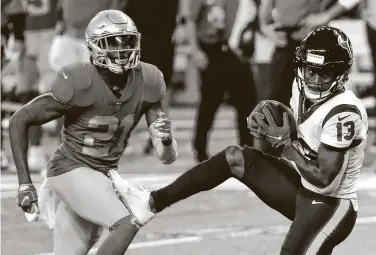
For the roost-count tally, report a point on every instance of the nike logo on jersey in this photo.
(275, 137)
(339, 118)
(65, 75)
(314, 202)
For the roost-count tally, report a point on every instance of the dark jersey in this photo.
(98, 124)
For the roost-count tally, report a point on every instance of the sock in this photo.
(121, 235)
(204, 176)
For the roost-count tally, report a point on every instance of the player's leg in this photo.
(90, 195)
(371, 36)
(273, 180)
(320, 224)
(73, 234)
(242, 95)
(282, 73)
(211, 98)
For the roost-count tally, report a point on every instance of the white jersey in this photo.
(340, 122)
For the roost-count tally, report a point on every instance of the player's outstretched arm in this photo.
(160, 131)
(321, 172)
(37, 112)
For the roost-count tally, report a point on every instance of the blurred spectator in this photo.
(12, 22)
(156, 21)
(219, 52)
(36, 74)
(69, 44)
(286, 23)
(369, 15)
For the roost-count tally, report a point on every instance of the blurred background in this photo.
(219, 58)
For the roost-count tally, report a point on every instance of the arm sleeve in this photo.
(161, 85)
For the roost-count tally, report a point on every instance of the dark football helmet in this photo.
(327, 52)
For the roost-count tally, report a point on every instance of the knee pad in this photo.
(235, 159)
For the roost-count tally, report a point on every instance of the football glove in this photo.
(276, 136)
(27, 198)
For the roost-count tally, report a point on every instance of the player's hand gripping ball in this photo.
(273, 122)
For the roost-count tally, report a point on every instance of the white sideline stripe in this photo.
(218, 233)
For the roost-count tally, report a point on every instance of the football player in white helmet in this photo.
(313, 181)
(101, 101)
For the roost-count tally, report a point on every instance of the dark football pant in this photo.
(319, 223)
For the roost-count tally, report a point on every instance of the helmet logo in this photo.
(315, 59)
(345, 44)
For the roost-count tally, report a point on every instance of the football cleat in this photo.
(137, 202)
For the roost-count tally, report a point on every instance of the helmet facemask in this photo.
(318, 81)
(117, 52)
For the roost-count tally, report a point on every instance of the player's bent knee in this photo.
(235, 160)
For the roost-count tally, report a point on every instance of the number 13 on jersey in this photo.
(347, 127)
(107, 135)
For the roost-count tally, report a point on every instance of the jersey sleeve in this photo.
(72, 87)
(155, 86)
(340, 128)
(62, 88)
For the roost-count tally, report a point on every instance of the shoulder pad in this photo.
(73, 85)
(154, 83)
(342, 111)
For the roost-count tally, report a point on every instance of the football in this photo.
(277, 109)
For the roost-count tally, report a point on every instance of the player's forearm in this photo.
(309, 169)
(167, 152)
(19, 141)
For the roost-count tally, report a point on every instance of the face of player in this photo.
(318, 80)
(120, 48)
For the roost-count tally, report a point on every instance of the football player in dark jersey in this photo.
(101, 101)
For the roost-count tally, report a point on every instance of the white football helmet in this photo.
(113, 41)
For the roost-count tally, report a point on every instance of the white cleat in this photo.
(137, 203)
